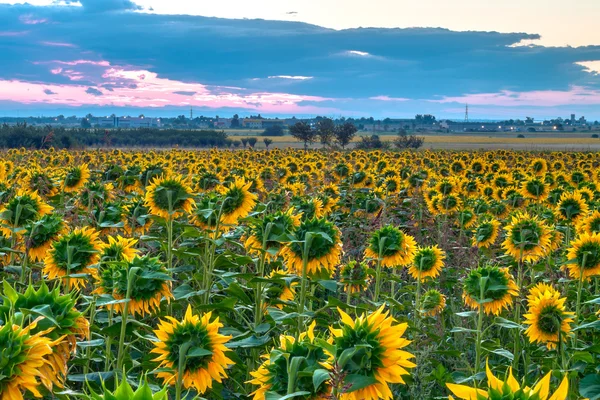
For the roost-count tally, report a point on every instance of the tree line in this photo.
(23, 135)
(325, 131)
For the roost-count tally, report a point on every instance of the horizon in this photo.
(160, 58)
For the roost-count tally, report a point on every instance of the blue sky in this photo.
(507, 60)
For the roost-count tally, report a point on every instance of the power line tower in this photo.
(466, 113)
(191, 114)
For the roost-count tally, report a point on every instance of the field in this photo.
(577, 141)
(216, 274)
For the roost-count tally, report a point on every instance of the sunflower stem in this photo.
(579, 290)
(378, 270)
(517, 313)
(131, 275)
(482, 284)
(180, 366)
(305, 251)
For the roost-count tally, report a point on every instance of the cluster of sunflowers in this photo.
(234, 274)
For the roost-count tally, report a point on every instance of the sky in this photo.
(381, 58)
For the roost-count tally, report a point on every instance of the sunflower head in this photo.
(41, 233)
(355, 276)
(75, 178)
(489, 287)
(527, 238)
(198, 338)
(273, 377)
(169, 196)
(372, 345)
(238, 201)
(571, 207)
(119, 249)
(272, 231)
(149, 281)
(584, 256)
(391, 246)
(427, 262)
(433, 303)
(24, 207)
(124, 391)
(486, 232)
(548, 320)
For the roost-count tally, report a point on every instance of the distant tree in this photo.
(252, 141)
(235, 121)
(403, 141)
(273, 130)
(267, 142)
(85, 123)
(303, 132)
(326, 131)
(244, 142)
(371, 142)
(344, 134)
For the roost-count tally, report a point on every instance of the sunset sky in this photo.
(506, 59)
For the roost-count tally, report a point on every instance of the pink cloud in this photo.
(125, 86)
(29, 19)
(576, 95)
(13, 33)
(58, 44)
(388, 98)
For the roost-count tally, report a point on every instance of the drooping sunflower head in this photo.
(589, 224)
(41, 233)
(527, 238)
(535, 189)
(355, 276)
(379, 357)
(433, 303)
(272, 231)
(465, 218)
(548, 320)
(283, 288)
(119, 249)
(509, 388)
(149, 280)
(74, 253)
(272, 376)
(571, 207)
(136, 219)
(391, 246)
(40, 181)
(538, 166)
(24, 207)
(584, 256)
(124, 391)
(23, 358)
(309, 207)
(319, 240)
(199, 337)
(489, 287)
(427, 263)
(169, 196)
(75, 178)
(486, 232)
(238, 201)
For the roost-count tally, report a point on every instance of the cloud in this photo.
(97, 45)
(49, 92)
(184, 93)
(93, 91)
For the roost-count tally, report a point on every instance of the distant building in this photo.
(572, 119)
(252, 123)
(266, 123)
(222, 123)
(129, 122)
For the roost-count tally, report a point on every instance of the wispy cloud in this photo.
(57, 44)
(388, 98)
(292, 77)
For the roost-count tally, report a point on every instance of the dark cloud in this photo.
(416, 63)
(94, 91)
(49, 92)
(185, 93)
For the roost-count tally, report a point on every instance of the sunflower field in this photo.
(284, 274)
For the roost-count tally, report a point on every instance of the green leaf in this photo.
(466, 314)
(277, 396)
(198, 352)
(589, 387)
(504, 353)
(358, 382)
(329, 285)
(319, 376)
(505, 323)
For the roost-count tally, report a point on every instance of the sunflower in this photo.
(486, 233)
(76, 178)
(392, 246)
(324, 252)
(23, 359)
(584, 256)
(41, 233)
(433, 303)
(571, 207)
(466, 218)
(511, 389)
(40, 181)
(202, 338)
(427, 263)
(63, 323)
(378, 342)
(74, 253)
(527, 238)
(169, 196)
(272, 376)
(589, 224)
(535, 189)
(271, 231)
(136, 218)
(24, 207)
(547, 317)
(124, 391)
(285, 292)
(238, 201)
(355, 276)
(119, 249)
(150, 284)
(498, 289)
